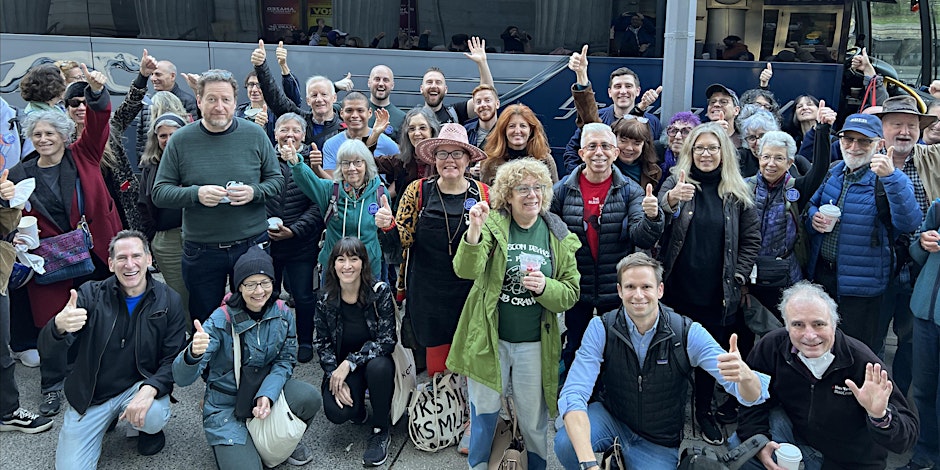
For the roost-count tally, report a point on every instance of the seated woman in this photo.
(518, 134)
(521, 259)
(355, 325)
(268, 339)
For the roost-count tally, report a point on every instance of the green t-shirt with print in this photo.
(520, 315)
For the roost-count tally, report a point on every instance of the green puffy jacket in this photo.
(474, 351)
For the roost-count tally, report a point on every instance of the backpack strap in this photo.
(452, 112)
(680, 326)
(331, 207)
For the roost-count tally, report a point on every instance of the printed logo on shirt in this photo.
(594, 201)
(841, 390)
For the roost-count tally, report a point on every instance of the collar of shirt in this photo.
(641, 342)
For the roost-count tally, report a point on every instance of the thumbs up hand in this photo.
(862, 63)
(722, 122)
(200, 340)
(71, 318)
(96, 80)
(825, 114)
(883, 165)
(346, 84)
(649, 97)
(730, 364)
(7, 188)
(681, 192)
(148, 64)
(261, 118)
(384, 218)
(650, 203)
(766, 75)
(258, 55)
(315, 159)
(578, 63)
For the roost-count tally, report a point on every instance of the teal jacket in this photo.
(925, 301)
(350, 216)
(475, 350)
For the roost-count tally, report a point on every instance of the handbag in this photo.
(248, 386)
(437, 412)
(405, 374)
(773, 271)
(276, 436)
(67, 256)
(508, 450)
(613, 457)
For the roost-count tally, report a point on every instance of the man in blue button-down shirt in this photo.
(632, 352)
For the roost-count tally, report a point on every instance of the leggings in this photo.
(377, 375)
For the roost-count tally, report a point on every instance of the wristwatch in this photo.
(587, 465)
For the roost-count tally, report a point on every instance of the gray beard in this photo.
(855, 163)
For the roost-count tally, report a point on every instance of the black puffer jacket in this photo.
(624, 227)
(380, 318)
(299, 213)
(159, 337)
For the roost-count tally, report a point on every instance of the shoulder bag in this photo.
(67, 256)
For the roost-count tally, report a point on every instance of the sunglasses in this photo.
(75, 102)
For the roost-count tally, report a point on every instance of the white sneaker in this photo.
(29, 357)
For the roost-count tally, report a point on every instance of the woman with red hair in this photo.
(517, 134)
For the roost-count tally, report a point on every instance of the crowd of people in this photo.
(675, 252)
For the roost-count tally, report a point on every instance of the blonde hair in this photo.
(732, 185)
(165, 102)
(512, 173)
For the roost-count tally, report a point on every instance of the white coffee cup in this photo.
(29, 230)
(832, 213)
(273, 223)
(789, 456)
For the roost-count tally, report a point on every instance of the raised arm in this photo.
(273, 95)
(478, 54)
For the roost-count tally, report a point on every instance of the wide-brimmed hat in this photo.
(451, 133)
(905, 105)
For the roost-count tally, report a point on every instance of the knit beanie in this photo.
(254, 261)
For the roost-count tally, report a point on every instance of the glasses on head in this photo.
(444, 154)
(778, 159)
(849, 141)
(754, 138)
(250, 286)
(594, 146)
(524, 190)
(674, 131)
(251, 85)
(75, 102)
(711, 149)
(640, 119)
(352, 163)
(720, 102)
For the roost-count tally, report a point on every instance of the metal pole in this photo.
(678, 58)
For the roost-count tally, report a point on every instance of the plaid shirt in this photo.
(830, 244)
(919, 194)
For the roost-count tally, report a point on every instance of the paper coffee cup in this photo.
(832, 213)
(273, 223)
(29, 229)
(789, 456)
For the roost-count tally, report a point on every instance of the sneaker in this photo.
(727, 413)
(464, 446)
(305, 353)
(711, 432)
(23, 420)
(376, 449)
(912, 465)
(51, 402)
(150, 444)
(301, 455)
(29, 357)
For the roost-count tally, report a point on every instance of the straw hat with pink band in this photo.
(452, 134)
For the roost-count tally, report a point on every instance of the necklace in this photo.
(451, 238)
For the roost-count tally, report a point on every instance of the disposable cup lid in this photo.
(789, 452)
(831, 210)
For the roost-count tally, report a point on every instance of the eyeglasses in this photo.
(524, 190)
(640, 119)
(251, 286)
(674, 131)
(444, 154)
(75, 102)
(849, 141)
(754, 138)
(353, 163)
(776, 158)
(604, 146)
(702, 150)
(251, 85)
(720, 102)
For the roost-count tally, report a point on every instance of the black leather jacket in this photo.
(159, 337)
(380, 318)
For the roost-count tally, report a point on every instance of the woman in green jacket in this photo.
(521, 260)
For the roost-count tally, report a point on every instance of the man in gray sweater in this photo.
(219, 170)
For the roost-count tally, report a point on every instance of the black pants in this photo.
(576, 322)
(377, 375)
(9, 394)
(859, 315)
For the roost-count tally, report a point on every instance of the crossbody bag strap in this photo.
(237, 345)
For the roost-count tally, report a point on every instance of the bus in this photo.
(809, 42)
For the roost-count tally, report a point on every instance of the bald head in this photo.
(164, 77)
(381, 84)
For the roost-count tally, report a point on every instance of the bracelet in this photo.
(882, 422)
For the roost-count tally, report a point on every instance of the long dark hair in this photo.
(349, 246)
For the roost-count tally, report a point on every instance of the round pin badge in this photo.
(793, 195)
(469, 203)
(373, 208)
(9, 139)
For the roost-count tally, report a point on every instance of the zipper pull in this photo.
(640, 382)
(122, 343)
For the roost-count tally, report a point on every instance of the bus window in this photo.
(896, 38)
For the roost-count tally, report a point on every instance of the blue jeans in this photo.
(781, 431)
(896, 305)
(206, 268)
(81, 435)
(299, 280)
(521, 365)
(638, 453)
(926, 387)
